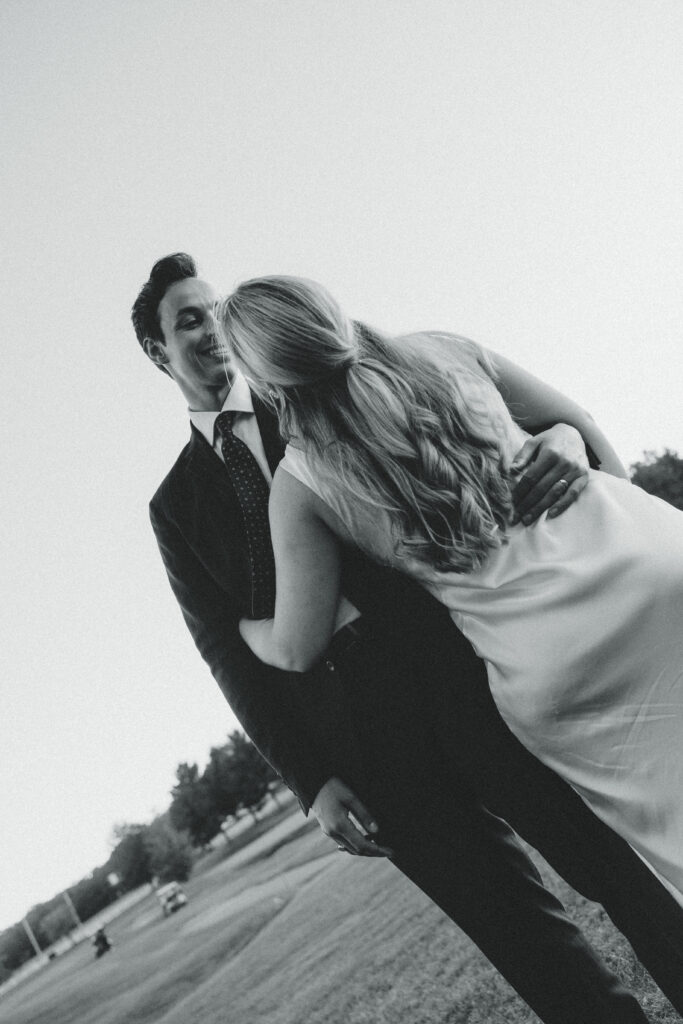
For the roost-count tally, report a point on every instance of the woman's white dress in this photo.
(579, 620)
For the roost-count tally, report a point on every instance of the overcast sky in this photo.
(508, 170)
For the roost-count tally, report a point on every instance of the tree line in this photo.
(235, 778)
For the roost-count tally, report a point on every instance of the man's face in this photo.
(195, 356)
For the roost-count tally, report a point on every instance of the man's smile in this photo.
(215, 351)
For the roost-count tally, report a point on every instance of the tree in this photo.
(93, 893)
(169, 851)
(130, 859)
(253, 775)
(222, 780)
(193, 806)
(15, 949)
(661, 475)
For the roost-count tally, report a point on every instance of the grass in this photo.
(286, 931)
(222, 850)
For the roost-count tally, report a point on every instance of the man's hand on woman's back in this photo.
(553, 468)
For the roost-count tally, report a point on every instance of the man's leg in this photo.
(549, 815)
(463, 858)
(473, 868)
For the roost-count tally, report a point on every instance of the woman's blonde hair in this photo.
(389, 425)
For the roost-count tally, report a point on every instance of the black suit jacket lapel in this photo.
(205, 465)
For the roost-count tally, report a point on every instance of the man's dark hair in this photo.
(164, 273)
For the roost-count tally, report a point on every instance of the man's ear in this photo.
(155, 350)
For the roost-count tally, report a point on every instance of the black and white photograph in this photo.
(342, 532)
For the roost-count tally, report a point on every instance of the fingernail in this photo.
(552, 512)
(526, 520)
(373, 827)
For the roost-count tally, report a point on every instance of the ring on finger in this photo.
(342, 848)
(565, 483)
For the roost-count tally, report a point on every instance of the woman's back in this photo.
(470, 365)
(372, 527)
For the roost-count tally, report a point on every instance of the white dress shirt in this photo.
(245, 425)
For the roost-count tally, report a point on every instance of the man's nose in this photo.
(211, 325)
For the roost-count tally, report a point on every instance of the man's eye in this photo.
(191, 322)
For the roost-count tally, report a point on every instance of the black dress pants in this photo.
(552, 818)
(439, 769)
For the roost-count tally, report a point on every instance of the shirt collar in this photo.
(238, 399)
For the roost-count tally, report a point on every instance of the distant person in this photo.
(101, 943)
(378, 722)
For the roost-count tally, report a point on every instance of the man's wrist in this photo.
(315, 783)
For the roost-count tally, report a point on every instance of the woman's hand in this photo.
(554, 471)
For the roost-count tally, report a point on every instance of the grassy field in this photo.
(285, 931)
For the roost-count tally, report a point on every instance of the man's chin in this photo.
(219, 362)
(223, 371)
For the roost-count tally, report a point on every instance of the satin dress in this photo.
(579, 620)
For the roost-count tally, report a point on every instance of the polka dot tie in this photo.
(252, 492)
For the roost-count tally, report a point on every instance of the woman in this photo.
(403, 447)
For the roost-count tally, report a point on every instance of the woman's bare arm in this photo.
(308, 571)
(533, 403)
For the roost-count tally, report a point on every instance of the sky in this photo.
(507, 169)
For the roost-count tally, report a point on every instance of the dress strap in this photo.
(296, 464)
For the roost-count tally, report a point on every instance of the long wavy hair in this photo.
(389, 425)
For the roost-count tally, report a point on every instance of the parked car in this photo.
(171, 897)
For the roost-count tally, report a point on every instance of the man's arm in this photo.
(553, 465)
(532, 402)
(257, 694)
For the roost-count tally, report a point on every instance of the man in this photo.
(397, 717)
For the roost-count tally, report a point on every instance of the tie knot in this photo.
(224, 423)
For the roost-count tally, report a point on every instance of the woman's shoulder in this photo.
(297, 493)
(291, 490)
(294, 461)
(294, 466)
(452, 350)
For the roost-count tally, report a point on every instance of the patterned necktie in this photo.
(252, 493)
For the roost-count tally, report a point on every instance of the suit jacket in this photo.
(297, 722)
